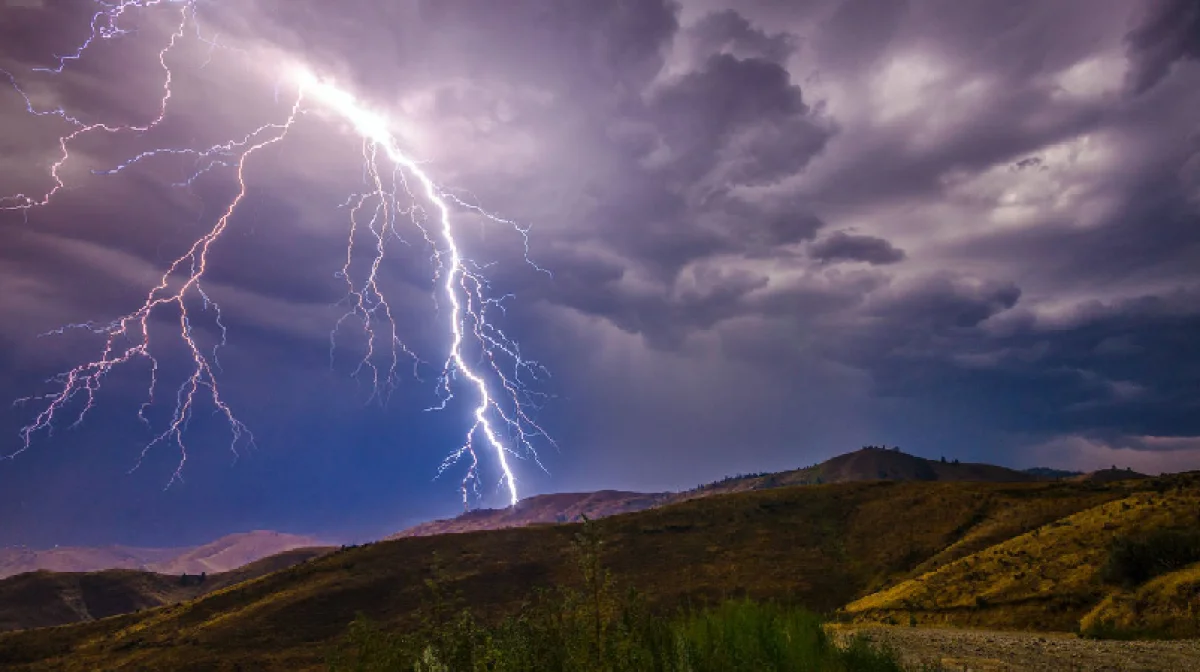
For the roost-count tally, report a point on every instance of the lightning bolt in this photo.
(497, 379)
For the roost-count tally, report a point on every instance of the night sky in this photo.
(778, 230)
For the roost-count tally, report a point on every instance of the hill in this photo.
(221, 555)
(232, 551)
(1109, 475)
(71, 559)
(1053, 575)
(1167, 606)
(1047, 472)
(867, 464)
(822, 546)
(42, 598)
(871, 464)
(555, 508)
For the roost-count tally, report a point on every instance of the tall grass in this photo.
(740, 636)
(1134, 560)
(593, 627)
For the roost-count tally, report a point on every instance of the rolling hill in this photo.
(232, 551)
(1052, 577)
(43, 598)
(867, 464)
(222, 555)
(540, 509)
(871, 464)
(823, 546)
(70, 559)
(1108, 475)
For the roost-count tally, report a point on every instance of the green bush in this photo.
(1134, 560)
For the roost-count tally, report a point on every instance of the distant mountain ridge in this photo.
(542, 509)
(232, 551)
(868, 464)
(81, 559)
(43, 598)
(224, 554)
(1047, 472)
(871, 464)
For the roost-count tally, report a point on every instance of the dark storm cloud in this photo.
(698, 178)
(1169, 33)
(727, 30)
(842, 246)
(1037, 378)
(743, 117)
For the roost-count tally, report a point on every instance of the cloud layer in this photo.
(776, 231)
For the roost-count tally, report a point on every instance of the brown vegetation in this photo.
(821, 547)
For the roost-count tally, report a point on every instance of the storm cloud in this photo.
(772, 232)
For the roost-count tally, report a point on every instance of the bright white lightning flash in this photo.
(462, 283)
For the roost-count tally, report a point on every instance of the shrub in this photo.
(1134, 560)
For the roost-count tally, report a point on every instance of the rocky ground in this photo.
(990, 651)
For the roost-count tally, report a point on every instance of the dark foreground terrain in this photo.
(1011, 556)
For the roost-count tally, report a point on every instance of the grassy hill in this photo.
(1106, 475)
(1167, 606)
(867, 464)
(42, 599)
(822, 547)
(1051, 576)
(870, 464)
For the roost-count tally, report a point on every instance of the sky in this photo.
(772, 231)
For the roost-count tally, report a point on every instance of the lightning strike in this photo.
(397, 186)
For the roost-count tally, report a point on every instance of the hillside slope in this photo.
(15, 561)
(1109, 475)
(871, 464)
(221, 555)
(555, 508)
(1166, 606)
(820, 546)
(232, 551)
(1047, 578)
(867, 464)
(41, 599)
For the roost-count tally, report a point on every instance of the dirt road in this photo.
(990, 651)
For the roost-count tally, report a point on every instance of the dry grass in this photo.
(1046, 578)
(1167, 606)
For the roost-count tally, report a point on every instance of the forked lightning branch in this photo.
(481, 363)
